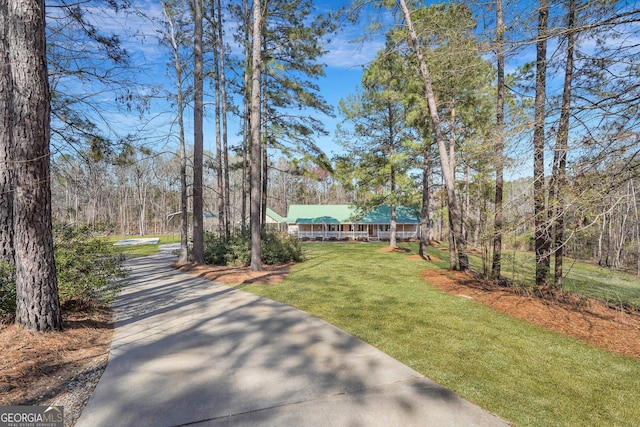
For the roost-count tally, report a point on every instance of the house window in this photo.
(361, 227)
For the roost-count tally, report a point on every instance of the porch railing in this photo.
(385, 235)
(331, 234)
(353, 235)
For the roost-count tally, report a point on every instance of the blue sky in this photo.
(344, 63)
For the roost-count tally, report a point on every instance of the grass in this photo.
(615, 287)
(527, 375)
(143, 250)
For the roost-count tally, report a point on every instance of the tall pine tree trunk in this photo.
(219, 164)
(499, 135)
(6, 142)
(562, 144)
(541, 225)
(198, 137)
(265, 146)
(225, 147)
(183, 255)
(256, 152)
(38, 305)
(393, 241)
(426, 221)
(447, 172)
(246, 121)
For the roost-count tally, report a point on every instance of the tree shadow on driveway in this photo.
(187, 351)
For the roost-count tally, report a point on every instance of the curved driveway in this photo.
(187, 351)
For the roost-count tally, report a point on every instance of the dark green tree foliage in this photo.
(376, 140)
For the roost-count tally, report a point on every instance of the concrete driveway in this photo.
(187, 351)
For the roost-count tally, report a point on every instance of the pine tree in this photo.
(377, 141)
(25, 88)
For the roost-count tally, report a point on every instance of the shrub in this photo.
(88, 267)
(7, 289)
(214, 249)
(281, 249)
(236, 249)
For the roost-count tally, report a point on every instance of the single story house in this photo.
(341, 222)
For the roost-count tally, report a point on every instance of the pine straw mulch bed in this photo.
(616, 329)
(37, 368)
(270, 274)
(613, 328)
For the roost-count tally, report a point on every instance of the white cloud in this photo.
(344, 53)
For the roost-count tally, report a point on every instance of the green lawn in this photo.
(142, 250)
(525, 374)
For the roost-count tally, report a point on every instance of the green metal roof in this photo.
(382, 215)
(345, 214)
(315, 214)
(275, 216)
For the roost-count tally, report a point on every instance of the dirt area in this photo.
(63, 368)
(58, 368)
(270, 274)
(589, 320)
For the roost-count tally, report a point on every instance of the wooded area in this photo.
(507, 124)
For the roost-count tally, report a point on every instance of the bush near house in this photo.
(235, 249)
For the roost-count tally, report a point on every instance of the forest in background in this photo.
(136, 199)
(574, 101)
(458, 97)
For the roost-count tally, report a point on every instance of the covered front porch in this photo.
(370, 232)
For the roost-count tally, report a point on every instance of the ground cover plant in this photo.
(526, 374)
